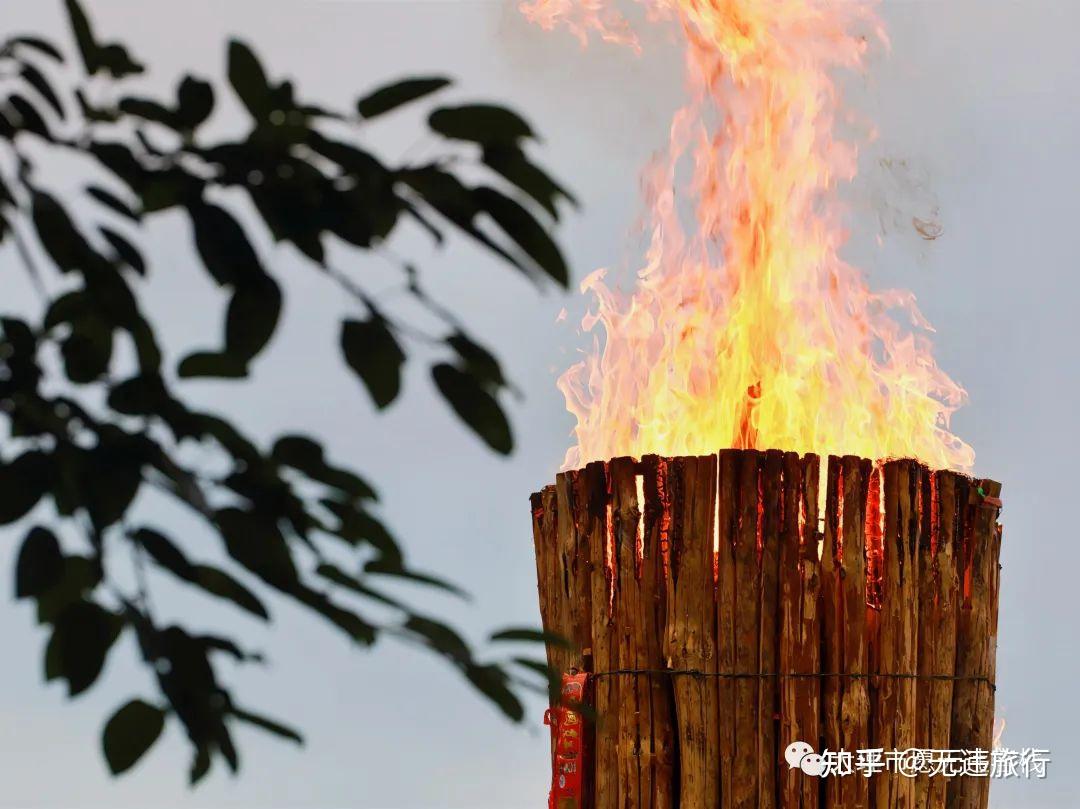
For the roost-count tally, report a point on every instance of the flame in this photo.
(745, 327)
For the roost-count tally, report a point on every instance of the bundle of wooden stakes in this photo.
(729, 605)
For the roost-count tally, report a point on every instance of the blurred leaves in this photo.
(481, 123)
(97, 414)
(372, 351)
(129, 733)
(475, 405)
(395, 95)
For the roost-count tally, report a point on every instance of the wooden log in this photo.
(633, 695)
(691, 630)
(590, 515)
(790, 607)
(854, 700)
(551, 591)
(884, 691)
(747, 632)
(940, 593)
(808, 652)
(574, 575)
(906, 643)
(972, 709)
(663, 745)
(987, 707)
(770, 521)
(894, 708)
(832, 625)
(800, 629)
(727, 489)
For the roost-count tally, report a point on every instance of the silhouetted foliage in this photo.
(89, 430)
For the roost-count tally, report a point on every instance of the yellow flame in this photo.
(746, 328)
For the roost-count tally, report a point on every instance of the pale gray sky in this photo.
(981, 98)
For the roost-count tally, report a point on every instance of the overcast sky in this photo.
(978, 99)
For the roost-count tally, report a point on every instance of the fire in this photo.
(746, 328)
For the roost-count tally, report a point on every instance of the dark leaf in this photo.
(218, 644)
(530, 636)
(141, 395)
(62, 241)
(395, 95)
(358, 526)
(478, 360)
(80, 576)
(125, 250)
(121, 161)
(39, 45)
(215, 582)
(392, 566)
(305, 455)
(112, 475)
(475, 406)
(552, 677)
(200, 765)
(87, 351)
(28, 118)
(221, 584)
(111, 56)
(149, 110)
(441, 638)
(84, 36)
(40, 564)
(110, 200)
(99, 115)
(247, 77)
(492, 682)
(372, 351)
(333, 573)
(211, 364)
(529, 234)
(446, 194)
(129, 733)
(252, 317)
(116, 59)
(223, 245)
(195, 100)
(481, 123)
(255, 540)
(164, 552)
(23, 482)
(36, 79)
(512, 164)
(268, 725)
(82, 636)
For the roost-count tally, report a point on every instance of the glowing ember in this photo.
(747, 329)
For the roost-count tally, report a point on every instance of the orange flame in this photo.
(746, 328)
